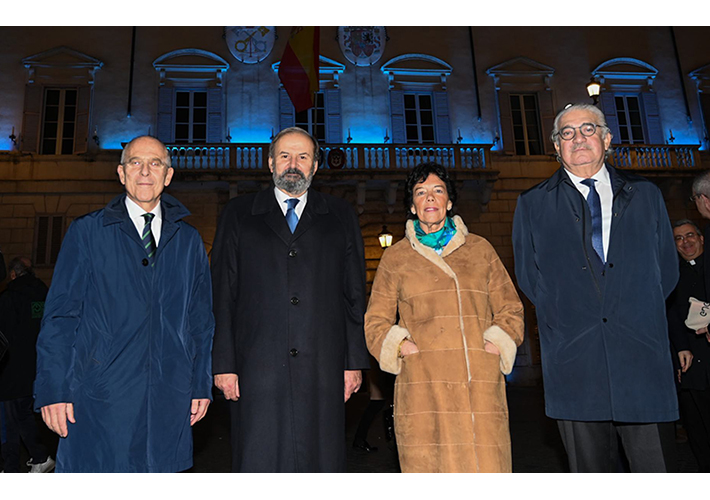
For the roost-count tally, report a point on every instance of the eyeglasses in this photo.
(688, 236)
(136, 163)
(586, 129)
(695, 197)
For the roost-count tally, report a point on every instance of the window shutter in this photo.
(333, 118)
(441, 114)
(547, 120)
(31, 118)
(81, 132)
(397, 114)
(165, 114)
(214, 115)
(612, 120)
(653, 118)
(506, 123)
(287, 116)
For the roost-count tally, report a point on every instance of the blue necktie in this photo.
(147, 237)
(595, 210)
(291, 217)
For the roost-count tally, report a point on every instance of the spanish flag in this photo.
(298, 70)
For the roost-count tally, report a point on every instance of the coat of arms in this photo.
(362, 45)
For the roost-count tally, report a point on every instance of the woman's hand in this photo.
(490, 347)
(408, 347)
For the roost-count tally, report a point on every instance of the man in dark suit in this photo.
(289, 298)
(701, 197)
(692, 350)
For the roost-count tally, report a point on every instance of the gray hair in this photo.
(683, 222)
(294, 130)
(701, 184)
(591, 108)
(21, 266)
(168, 163)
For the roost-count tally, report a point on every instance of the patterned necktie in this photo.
(291, 217)
(595, 209)
(148, 239)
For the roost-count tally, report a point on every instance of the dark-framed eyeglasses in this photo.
(695, 197)
(586, 129)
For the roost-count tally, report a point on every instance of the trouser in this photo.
(695, 415)
(19, 423)
(593, 446)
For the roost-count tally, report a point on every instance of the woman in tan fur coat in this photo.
(460, 322)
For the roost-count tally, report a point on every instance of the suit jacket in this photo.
(603, 329)
(289, 314)
(690, 284)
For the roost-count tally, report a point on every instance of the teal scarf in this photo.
(439, 239)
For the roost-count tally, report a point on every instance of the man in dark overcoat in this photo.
(594, 252)
(124, 365)
(288, 274)
(21, 307)
(691, 349)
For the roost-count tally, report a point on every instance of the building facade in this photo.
(480, 100)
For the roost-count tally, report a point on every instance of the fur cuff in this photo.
(497, 336)
(389, 361)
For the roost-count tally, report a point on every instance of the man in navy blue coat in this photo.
(124, 353)
(594, 252)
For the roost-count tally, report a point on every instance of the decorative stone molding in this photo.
(191, 67)
(61, 65)
(417, 70)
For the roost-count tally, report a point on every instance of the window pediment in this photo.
(701, 76)
(329, 70)
(190, 66)
(521, 73)
(625, 73)
(416, 70)
(61, 65)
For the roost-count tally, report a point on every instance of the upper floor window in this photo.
(191, 116)
(627, 99)
(525, 106)
(419, 102)
(58, 121)
(419, 118)
(324, 120)
(313, 120)
(190, 97)
(525, 116)
(57, 108)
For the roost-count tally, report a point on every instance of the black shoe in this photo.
(363, 445)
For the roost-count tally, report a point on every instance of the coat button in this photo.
(584, 268)
(611, 265)
(576, 219)
(145, 262)
(292, 253)
(604, 320)
(293, 352)
(294, 300)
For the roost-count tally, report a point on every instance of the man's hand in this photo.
(703, 330)
(198, 410)
(56, 416)
(491, 347)
(353, 381)
(228, 383)
(686, 359)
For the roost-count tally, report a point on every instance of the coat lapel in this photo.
(117, 213)
(265, 204)
(315, 207)
(623, 192)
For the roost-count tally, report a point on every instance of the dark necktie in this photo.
(291, 217)
(147, 237)
(595, 210)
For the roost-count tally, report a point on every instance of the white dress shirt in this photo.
(282, 197)
(606, 197)
(135, 212)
